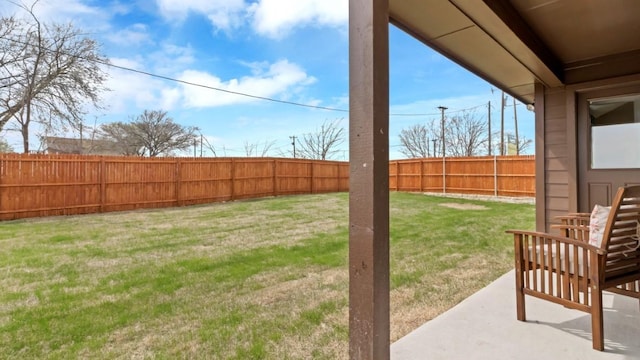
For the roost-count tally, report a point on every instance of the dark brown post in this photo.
(369, 179)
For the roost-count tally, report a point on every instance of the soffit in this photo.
(578, 30)
(446, 27)
(514, 44)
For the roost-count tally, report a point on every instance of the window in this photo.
(615, 132)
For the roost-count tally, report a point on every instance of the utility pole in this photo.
(489, 121)
(293, 142)
(201, 145)
(444, 165)
(435, 142)
(442, 109)
(503, 100)
(515, 119)
(195, 147)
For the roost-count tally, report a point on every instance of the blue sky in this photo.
(289, 50)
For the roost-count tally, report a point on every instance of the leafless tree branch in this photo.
(322, 144)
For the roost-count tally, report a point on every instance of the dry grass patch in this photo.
(460, 206)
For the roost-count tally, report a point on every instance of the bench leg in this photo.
(597, 328)
(520, 309)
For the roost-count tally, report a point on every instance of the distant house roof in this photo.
(61, 145)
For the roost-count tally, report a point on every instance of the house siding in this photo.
(556, 149)
(554, 157)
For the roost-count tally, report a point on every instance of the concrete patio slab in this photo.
(484, 326)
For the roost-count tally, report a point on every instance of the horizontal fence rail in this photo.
(482, 175)
(49, 185)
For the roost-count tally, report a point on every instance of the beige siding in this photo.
(556, 161)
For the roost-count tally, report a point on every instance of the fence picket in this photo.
(46, 185)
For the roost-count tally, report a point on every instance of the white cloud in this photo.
(275, 18)
(270, 18)
(171, 59)
(274, 81)
(63, 11)
(170, 98)
(132, 89)
(135, 35)
(223, 14)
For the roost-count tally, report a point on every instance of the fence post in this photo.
(103, 184)
(339, 183)
(275, 177)
(421, 175)
(312, 177)
(233, 177)
(444, 175)
(397, 175)
(178, 182)
(495, 175)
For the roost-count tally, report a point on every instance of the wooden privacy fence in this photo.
(46, 185)
(485, 175)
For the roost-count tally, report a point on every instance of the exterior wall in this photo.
(552, 156)
(557, 145)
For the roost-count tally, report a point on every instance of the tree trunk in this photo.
(25, 128)
(25, 138)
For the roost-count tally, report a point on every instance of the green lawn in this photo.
(243, 280)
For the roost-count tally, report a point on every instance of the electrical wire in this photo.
(238, 93)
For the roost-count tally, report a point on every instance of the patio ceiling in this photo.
(514, 44)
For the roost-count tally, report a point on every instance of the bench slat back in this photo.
(622, 234)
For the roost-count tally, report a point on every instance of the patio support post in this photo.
(369, 179)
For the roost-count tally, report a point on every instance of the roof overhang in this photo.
(515, 44)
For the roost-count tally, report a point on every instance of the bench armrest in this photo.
(546, 237)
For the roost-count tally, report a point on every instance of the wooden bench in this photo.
(566, 269)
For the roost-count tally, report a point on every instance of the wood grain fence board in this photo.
(46, 185)
(466, 175)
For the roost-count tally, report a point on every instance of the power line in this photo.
(267, 98)
(438, 114)
(220, 89)
(238, 93)
(168, 78)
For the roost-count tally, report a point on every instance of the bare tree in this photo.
(466, 134)
(8, 55)
(523, 144)
(414, 141)
(53, 74)
(258, 149)
(322, 144)
(205, 142)
(152, 133)
(124, 136)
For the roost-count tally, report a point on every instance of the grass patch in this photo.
(260, 279)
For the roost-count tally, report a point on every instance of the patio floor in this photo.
(484, 326)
